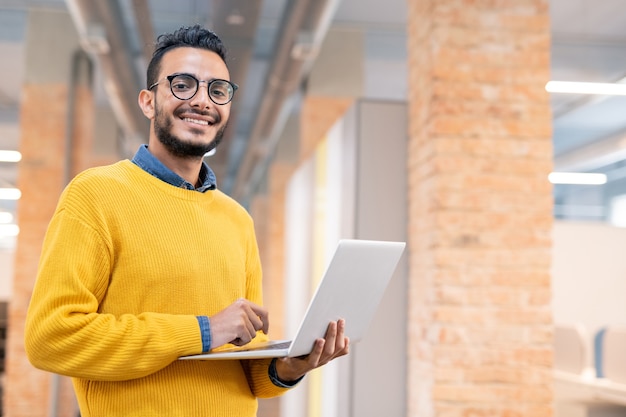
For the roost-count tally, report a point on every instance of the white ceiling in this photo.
(588, 44)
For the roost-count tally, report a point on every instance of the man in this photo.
(145, 261)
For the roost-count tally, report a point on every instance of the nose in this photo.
(201, 98)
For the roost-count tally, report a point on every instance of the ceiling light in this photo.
(570, 87)
(305, 47)
(94, 39)
(10, 156)
(5, 217)
(577, 178)
(10, 194)
(617, 213)
(7, 230)
(235, 18)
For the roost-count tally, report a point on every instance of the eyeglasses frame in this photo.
(208, 84)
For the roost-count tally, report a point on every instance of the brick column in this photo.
(480, 209)
(43, 172)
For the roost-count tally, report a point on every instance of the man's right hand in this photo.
(238, 323)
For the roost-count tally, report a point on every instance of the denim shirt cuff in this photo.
(205, 330)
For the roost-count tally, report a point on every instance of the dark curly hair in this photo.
(193, 36)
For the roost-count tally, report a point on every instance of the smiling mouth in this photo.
(196, 121)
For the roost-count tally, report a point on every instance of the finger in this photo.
(254, 321)
(340, 339)
(344, 350)
(245, 329)
(330, 340)
(314, 359)
(261, 317)
(252, 324)
(244, 339)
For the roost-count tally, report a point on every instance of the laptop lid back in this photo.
(351, 288)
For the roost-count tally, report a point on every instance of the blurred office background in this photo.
(430, 121)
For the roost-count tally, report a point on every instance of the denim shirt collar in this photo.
(149, 163)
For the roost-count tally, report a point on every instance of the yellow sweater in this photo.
(128, 263)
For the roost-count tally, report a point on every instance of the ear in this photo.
(146, 103)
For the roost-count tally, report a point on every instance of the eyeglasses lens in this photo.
(220, 91)
(185, 86)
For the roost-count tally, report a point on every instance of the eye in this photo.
(183, 83)
(220, 89)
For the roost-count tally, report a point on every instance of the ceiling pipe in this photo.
(304, 25)
(103, 35)
(236, 23)
(143, 19)
(593, 156)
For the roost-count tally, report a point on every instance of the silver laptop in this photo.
(351, 288)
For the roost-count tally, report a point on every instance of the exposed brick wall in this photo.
(83, 134)
(480, 209)
(26, 389)
(42, 176)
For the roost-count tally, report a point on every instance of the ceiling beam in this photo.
(303, 27)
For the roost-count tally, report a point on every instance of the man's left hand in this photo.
(333, 345)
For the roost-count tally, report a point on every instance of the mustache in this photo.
(211, 114)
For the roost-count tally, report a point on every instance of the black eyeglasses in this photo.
(185, 86)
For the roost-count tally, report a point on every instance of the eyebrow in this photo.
(195, 76)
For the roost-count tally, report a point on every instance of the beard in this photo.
(178, 147)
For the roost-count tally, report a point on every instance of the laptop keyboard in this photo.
(280, 345)
(267, 346)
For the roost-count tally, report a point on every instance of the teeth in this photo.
(196, 121)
